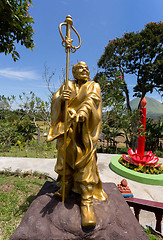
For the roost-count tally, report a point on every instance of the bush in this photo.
(159, 153)
(15, 132)
(154, 132)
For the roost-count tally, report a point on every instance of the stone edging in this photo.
(135, 176)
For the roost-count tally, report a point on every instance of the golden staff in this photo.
(67, 43)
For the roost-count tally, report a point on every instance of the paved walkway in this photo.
(149, 192)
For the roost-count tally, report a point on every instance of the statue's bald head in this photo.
(80, 71)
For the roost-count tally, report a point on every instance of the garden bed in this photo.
(135, 176)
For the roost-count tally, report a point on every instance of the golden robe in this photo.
(82, 137)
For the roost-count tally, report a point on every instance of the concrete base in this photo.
(48, 218)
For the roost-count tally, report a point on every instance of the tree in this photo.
(116, 121)
(35, 107)
(16, 126)
(20, 125)
(19, 129)
(154, 132)
(15, 26)
(137, 53)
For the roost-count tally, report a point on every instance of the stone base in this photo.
(48, 218)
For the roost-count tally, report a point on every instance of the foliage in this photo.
(35, 107)
(28, 104)
(117, 121)
(4, 103)
(14, 132)
(20, 125)
(114, 111)
(30, 149)
(141, 168)
(25, 128)
(152, 234)
(15, 126)
(5, 106)
(154, 132)
(137, 53)
(47, 77)
(16, 194)
(159, 153)
(112, 90)
(15, 26)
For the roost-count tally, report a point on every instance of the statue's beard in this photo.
(83, 77)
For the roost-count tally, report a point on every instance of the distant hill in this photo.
(154, 107)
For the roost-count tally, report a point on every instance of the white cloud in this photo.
(64, 2)
(18, 74)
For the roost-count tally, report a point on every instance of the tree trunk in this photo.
(133, 142)
(126, 92)
(127, 98)
(38, 135)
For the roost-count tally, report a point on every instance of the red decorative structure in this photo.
(147, 160)
(138, 156)
(142, 122)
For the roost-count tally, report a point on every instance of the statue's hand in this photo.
(72, 113)
(81, 117)
(66, 94)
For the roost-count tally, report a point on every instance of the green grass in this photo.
(152, 235)
(16, 194)
(31, 150)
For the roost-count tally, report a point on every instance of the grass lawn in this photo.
(16, 194)
(32, 150)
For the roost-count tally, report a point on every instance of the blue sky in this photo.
(96, 21)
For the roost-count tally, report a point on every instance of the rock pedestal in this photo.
(48, 218)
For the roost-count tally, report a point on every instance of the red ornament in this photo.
(146, 160)
(138, 156)
(143, 102)
(141, 137)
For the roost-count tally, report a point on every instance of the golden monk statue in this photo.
(83, 128)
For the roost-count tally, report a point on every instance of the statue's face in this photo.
(81, 71)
